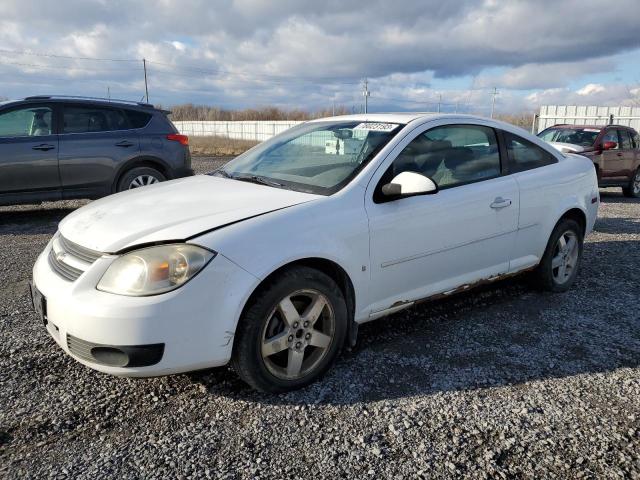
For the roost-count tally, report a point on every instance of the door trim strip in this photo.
(417, 256)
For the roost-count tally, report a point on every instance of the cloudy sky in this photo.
(312, 53)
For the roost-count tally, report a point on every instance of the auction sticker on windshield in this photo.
(378, 127)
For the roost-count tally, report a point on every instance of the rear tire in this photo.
(633, 189)
(291, 332)
(139, 177)
(561, 260)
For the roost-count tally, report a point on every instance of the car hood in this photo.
(567, 147)
(174, 210)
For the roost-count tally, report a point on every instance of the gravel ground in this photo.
(503, 382)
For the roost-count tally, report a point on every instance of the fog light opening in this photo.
(113, 357)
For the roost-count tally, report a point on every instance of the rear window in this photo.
(89, 119)
(138, 119)
(524, 155)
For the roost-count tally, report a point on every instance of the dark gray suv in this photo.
(54, 148)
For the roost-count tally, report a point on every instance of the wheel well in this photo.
(577, 215)
(597, 167)
(141, 162)
(329, 268)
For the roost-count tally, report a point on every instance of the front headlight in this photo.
(154, 270)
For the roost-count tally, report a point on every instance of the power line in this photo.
(255, 83)
(191, 71)
(173, 66)
(71, 57)
(333, 80)
(217, 71)
(241, 78)
(66, 67)
(264, 78)
(417, 102)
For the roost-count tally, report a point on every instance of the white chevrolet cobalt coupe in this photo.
(273, 261)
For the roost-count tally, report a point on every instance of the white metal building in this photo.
(588, 115)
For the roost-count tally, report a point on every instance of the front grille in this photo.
(62, 269)
(77, 251)
(70, 260)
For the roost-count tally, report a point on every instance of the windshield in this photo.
(315, 157)
(585, 137)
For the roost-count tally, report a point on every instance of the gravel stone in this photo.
(499, 382)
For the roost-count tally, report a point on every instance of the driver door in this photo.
(29, 151)
(430, 244)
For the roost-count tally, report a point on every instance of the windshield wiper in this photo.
(220, 173)
(257, 179)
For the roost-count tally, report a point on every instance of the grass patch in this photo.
(219, 146)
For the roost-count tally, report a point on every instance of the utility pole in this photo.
(109, 92)
(493, 101)
(366, 93)
(439, 101)
(146, 85)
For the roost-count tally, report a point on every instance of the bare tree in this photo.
(190, 111)
(522, 119)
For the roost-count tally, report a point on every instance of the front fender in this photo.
(319, 229)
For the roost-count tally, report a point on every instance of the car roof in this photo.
(572, 126)
(398, 117)
(85, 100)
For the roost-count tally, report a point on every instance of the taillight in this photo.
(176, 137)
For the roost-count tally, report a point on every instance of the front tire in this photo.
(291, 331)
(633, 189)
(561, 260)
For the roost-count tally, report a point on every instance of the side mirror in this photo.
(609, 145)
(407, 184)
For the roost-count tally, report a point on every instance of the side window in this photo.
(625, 140)
(451, 155)
(32, 121)
(636, 141)
(137, 119)
(611, 136)
(524, 155)
(88, 119)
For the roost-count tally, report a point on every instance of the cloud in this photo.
(591, 89)
(181, 47)
(546, 75)
(303, 52)
(589, 94)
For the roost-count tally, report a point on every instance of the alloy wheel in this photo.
(142, 180)
(636, 183)
(298, 334)
(565, 258)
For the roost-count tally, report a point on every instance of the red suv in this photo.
(614, 149)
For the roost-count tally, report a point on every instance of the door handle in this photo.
(44, 147)
(619, 154)
(124, 143)
(500, 202)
